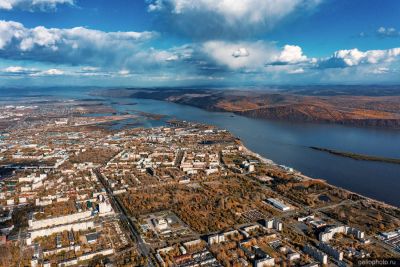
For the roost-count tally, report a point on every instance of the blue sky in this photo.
(199, 42)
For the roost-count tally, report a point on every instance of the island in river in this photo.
(356, 156)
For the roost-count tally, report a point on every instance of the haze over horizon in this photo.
(202, 42)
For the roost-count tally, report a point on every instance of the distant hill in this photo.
(366, 106)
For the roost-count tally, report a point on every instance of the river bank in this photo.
(305, 177)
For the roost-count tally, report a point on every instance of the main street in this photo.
(142, 247)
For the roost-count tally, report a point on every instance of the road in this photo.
(119, 208)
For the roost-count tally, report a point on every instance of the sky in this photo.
(145, 43)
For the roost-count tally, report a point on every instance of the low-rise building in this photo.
(278, 204)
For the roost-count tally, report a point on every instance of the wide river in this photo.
(287, 143)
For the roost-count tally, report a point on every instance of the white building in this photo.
(71, 218)
(329, 233)
(277, 204)
(216, 239)
(105, 207)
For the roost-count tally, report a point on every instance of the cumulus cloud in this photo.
(33, 5)
(70, 46)
(208, 19)
(355, 57)
(388, 32)
(254, 55)
(290, 55)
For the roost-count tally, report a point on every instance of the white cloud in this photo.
(257, 53)
(18, 71)
(32, 5)
(161, 56)
(388, 32)
(155, 5)
(15, 69)
(80, 52)
(72, 46)
(291, 54)
(53, 72)
(124, 72)
(350, 57)
(355, 57)
(91, 49)
(209, 18)
(251, 11)
(9, 29)
(172, 58)
(4, 4)
(49, 72)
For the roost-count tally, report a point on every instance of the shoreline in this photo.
(305, 177)
(290, 111)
